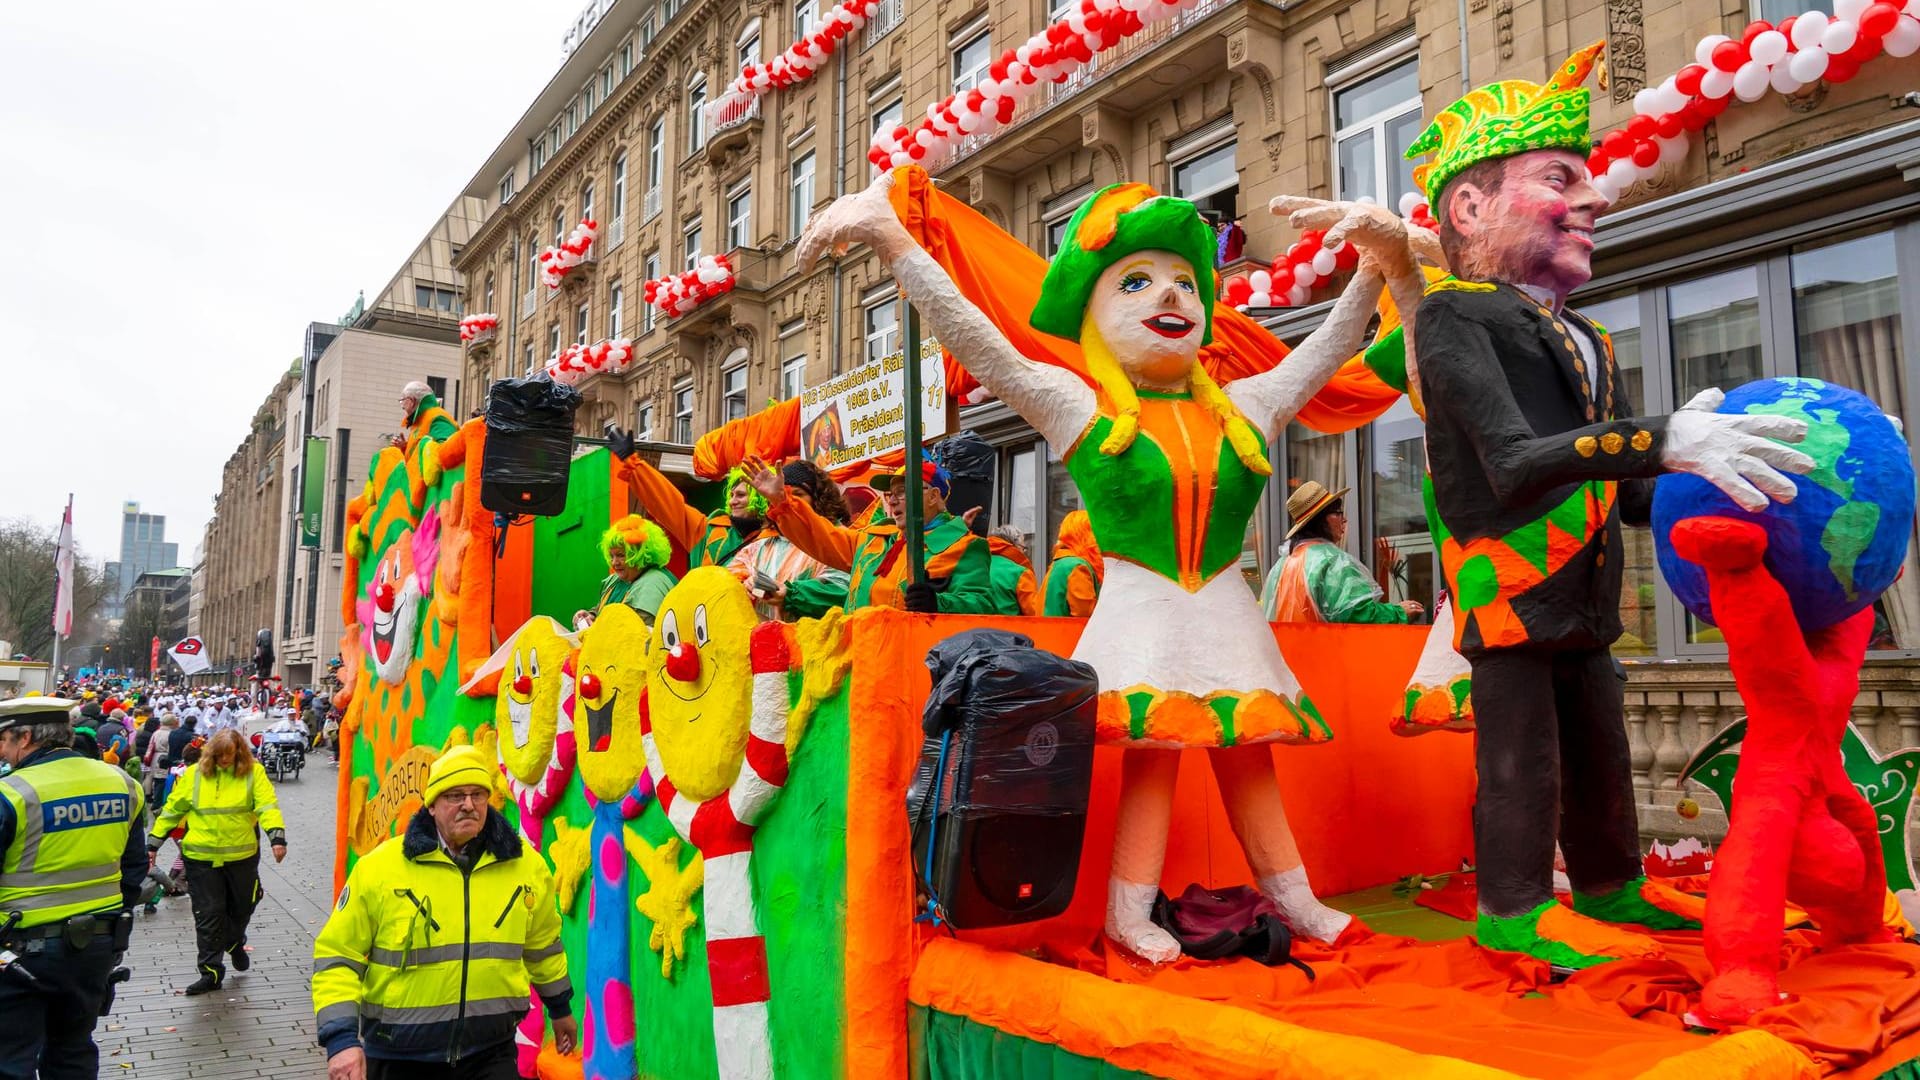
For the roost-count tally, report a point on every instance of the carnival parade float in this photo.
(743, 816)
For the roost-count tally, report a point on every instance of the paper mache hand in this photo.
(1381, 235)
(866, 217)
(1741, 454)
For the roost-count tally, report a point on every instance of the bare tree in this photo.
(27, 551)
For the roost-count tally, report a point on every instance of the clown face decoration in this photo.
(612, 678)
(534, 684)
(391, 608)
(700, 681)
(1146, 309)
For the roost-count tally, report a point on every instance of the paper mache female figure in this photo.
(1170, 465)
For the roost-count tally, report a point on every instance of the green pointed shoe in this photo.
(1561, 937)
(1643, 903)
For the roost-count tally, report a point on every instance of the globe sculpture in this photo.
(1839, 544)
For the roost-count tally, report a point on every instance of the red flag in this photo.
(153, 658)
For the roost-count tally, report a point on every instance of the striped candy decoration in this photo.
(535, 801)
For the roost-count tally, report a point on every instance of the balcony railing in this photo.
(616, 233)
(734, 115)
(885, 17)
(1102, 65)
(650, 205)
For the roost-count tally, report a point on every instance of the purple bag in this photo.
(1218, 924)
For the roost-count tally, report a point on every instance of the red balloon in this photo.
(1646, 155)
(1005, 115)
(1617, 144)
(1282, 279)
(1865, 47)
(1840, 69)
(916, 151)
(1754, 30)
(1879, 19)
(1237, 290)
(1712, 107)
(1729, 55)
(1348, 257)
(1669, 125)
(1597, 163)
(1687, 79)
(1786, 27)
(1641, 128)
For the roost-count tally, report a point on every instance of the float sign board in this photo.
(862, 414)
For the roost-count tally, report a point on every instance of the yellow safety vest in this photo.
(223, 813)
(72, 816)
(428, 962)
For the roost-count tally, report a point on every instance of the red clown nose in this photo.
(589, 686)
(385, 596)
(683, 662)
(523, 685)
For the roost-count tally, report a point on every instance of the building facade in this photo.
(243, 539)
(143, 547)
(1787, 242)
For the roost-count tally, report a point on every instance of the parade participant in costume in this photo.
(774, 568)
(637, 553)
(1015, 591)
(1318, 581)
(708, 539)
(421, 413)
(1535, 460)
(959, 563)
(1171, 465)
(1075, 574)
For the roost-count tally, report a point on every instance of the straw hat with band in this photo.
(931, 473)
(1308, 501)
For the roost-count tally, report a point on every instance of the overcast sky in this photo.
(186, 186)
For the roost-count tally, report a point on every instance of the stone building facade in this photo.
(243, 538)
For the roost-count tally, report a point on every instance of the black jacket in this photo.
(1513, 430)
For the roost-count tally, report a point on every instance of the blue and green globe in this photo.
(1839, 544)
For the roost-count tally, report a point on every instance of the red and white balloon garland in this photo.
(1802, 50)
(796, 65)
(1290, 280)
(677, 294)
(474, 325)
(577, 362)
(558, 262)
(1093, 26)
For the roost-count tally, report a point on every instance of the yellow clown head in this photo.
(700, 681)
(533, 683)
(611, 679)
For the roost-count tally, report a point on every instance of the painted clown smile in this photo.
(1169, 326)
(600, 724)
(385, 625)
(520, 718)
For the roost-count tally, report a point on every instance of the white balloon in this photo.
(1623, 173)
(1607, 188)
(1299, 294)
(1783, 81)
(969, 122)
(1325, 263)
(1305, 275)
(1409, 202)
(901, 159)
(924, 137)
(1912, 10)
(1768, 47)
(1807, 64)
(1671, 150)
(1750, 82)
(1262, 281)
(1808, 26)
(1904, 39)
(1669, 98)
(1716, 83)
(1840, 36)
(1260, 298)
(1850, 10)
(1647, 101)
(1703, 52)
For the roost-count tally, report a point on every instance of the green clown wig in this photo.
(756, 502)
(642, 543)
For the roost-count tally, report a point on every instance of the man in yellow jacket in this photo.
(423, 970)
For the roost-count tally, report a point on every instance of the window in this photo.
(972, 53)
(652, 271)
(882, 325)
(533, 275)
(559, 225)
(432, 298)
(1775, 11)
(733, 393)
(747, 49)
(801, 185)
(506, 188)
(697, 114)
(489, 305)
(806, 17)
(740, 217)
(586, 201)
(616, 302)
(643, 421)
(1054, 215)
(656, 154)
(423, 296)
(683, 413)
(1375, 119)
(553, 340)
(588, 97)
(793, 359)
(529, 361)
(1204, 173)
(626, 51)
(1619, 316)
(690, 244)
(886, 118)
(580, 324)
(617, 210)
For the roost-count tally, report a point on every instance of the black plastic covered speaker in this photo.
(998, 825)
(529, 446)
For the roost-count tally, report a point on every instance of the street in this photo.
(260, 1023)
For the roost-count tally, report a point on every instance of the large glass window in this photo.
(616, 300)
(697, 114)
(619, 207)
(1714, 329)
(882, 328)
(1398, 455)
(1375, 119)
(733, 390)
(656, 154)
(683, 413)
(1211, 181)
(800, 184)
(971, 56)
(1640, 633)
(885, 118)
(690, 244)
(651, 270)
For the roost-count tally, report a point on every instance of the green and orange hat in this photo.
(1119, 220)
(1507, 118)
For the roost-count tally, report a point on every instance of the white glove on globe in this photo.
(1741, 454)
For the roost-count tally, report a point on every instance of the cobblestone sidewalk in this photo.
(260, 1023)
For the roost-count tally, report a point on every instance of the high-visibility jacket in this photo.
(67, 820)
(223, 813)
(422, 960)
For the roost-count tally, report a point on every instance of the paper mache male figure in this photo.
(1536, 460)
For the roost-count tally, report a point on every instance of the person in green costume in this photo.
(1318, 581)
(1076, 570)
(1171, 465)
(637, 552)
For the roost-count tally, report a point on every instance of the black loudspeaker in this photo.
(529, 446)
(971, 463)
(1000, 797)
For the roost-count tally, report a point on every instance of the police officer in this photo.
(70, 870)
